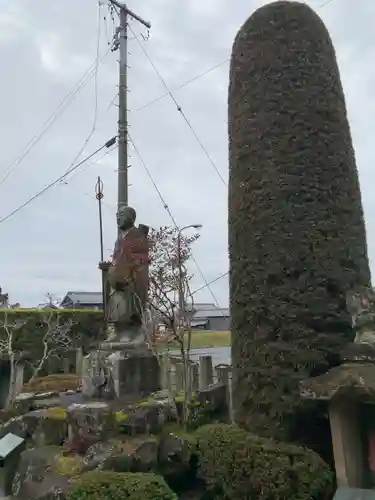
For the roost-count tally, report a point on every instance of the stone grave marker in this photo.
(11, 447)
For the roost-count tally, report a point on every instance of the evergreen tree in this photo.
(297, 238)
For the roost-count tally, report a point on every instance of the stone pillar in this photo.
(205, 372)
(347, 444)
(19, 378)
(79, 361)
(165, 375)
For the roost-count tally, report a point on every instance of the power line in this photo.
(64, 104)
(179, 109)
(108, 144)
(188, 82)
(207, 284)
(87, 165)
(211, 282)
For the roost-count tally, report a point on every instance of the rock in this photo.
(51, 428)
(133, 455)
(23, 402)
(97, 455)
(45, 395)
(33, 466)
(147, 418)
(96, 421)
(176, 457)
(38, 404)
(22, 426)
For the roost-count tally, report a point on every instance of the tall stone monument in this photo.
(124, 365)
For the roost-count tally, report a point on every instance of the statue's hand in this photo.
(104, 266)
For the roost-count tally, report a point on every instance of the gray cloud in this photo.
(46, 46)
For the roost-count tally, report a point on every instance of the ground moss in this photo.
(297, 239)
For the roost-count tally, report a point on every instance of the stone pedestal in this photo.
(134, 372)
(117, 370)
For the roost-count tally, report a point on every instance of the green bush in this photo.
(108, 485)
(87, 327)
(297, 240)
(238, 465)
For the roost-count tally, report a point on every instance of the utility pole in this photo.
(125, 13)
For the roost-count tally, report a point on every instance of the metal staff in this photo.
(99, 196)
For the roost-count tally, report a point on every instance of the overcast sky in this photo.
(46, 46)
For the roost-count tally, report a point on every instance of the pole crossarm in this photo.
(131, 13)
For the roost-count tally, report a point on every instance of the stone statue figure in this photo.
(127, 277)
(360, 304)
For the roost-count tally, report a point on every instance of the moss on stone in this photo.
(56, 413)
(70, 466)
(121, 416)
(297, 239)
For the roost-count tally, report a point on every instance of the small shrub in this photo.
(108, 485)
(236, 464)
(57, 382)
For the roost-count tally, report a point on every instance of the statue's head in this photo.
(126, 217)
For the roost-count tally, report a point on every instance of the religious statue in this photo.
(361, 306)
(127, 277)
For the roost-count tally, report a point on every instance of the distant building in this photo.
(210, 318)
(82, 300)
(206, 316)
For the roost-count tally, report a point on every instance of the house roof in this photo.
(211, 313)
(200, 305)
(83, 298)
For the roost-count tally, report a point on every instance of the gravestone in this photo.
(354, 494)
(11, 447)
(4, 382)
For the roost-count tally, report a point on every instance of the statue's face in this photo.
(125, 217)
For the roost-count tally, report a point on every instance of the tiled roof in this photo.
(83, 297)
(211, 313)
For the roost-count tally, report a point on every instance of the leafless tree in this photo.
(169, 278)
(57, 340)
(9, 352)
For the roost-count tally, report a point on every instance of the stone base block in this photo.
(134, 373)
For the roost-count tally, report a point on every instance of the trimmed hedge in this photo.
(238, 465)
(29, 338)
(297, 238)
(107, 485)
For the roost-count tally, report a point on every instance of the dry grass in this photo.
(56, 382)
(204, 339)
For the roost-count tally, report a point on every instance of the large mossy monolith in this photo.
(297, 238)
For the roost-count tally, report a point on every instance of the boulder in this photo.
(23, 402)
(146, 418)
(98, 454)
(32, 469)
(51, 427)
(95, 421)
(134, 455)
(176, 457)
